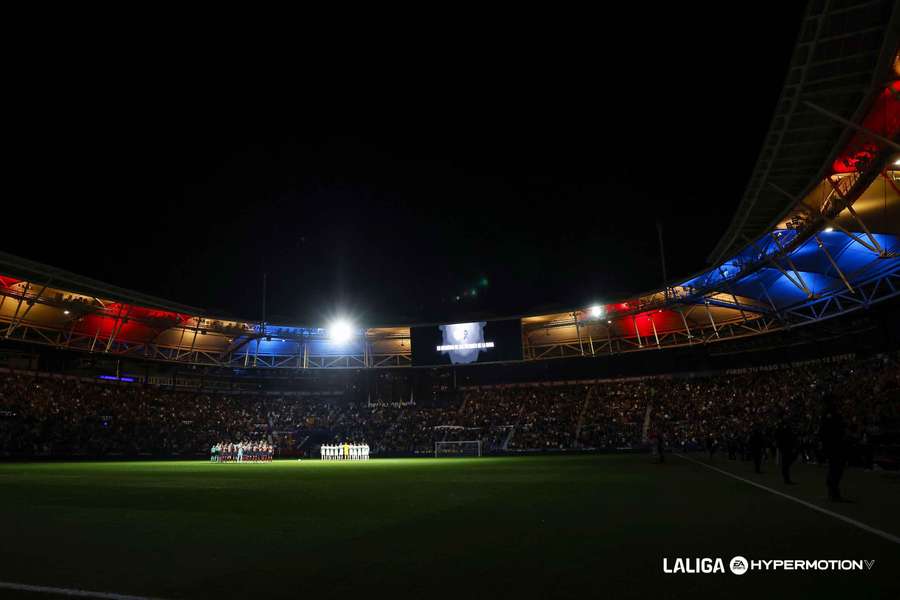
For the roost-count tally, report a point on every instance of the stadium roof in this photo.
(843, 59)
(817, 235)
(22, 268)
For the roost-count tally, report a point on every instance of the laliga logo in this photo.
(738, 565)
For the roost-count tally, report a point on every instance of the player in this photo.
(784, 440)
(831, 433)
(756, 444)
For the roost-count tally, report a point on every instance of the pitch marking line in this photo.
(43, 589)
(888, 536)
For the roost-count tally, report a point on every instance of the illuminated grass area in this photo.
(577, 526)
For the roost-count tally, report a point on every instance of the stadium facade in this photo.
(816, 236)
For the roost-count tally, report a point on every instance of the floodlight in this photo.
(596, 311)
(65, 312)
(340, 331)
(829, 229)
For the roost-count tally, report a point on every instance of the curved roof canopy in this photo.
(817, 234)
(844, 57)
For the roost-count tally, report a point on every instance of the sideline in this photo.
(43, 589)
(888, 536)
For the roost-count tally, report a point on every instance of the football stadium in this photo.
(732, 433)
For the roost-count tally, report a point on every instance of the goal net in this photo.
(457, 448)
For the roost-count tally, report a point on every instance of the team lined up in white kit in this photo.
(345, 451)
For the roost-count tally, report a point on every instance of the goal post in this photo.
(457, 449)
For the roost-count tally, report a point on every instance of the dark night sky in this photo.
(385, 176)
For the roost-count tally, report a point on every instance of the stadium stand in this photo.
(44, 415)
(812, 257)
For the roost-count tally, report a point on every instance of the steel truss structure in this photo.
(790, 277)
(249, 356)
(759, 320)
(817, 235)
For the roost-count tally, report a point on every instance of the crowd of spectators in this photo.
(531, 417)
(721, 412)
(616, 412)
(42, 415)
(68, 416)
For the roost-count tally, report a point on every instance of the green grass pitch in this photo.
(520, 527)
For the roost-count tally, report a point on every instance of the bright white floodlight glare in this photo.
(596, 311)
(897, 163)
(829, 229)
(340, 331)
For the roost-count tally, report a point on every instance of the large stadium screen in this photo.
(467, 343)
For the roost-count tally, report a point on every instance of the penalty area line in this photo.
(43, 589)
(884, 534)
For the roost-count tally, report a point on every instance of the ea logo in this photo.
(738, 565)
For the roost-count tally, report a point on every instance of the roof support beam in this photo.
(890, 180)
(731, 291)
(834, 264)
(711, 321)
(851, 235)
(117, 326)
(12, 325)
(863, 130)
(878, 248)
(655, 335)
(685, 323)
(771, 303)
(875, 247)
(799, 283)
(578, 332)
(736, 306)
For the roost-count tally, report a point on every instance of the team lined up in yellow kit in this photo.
(345, 451)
